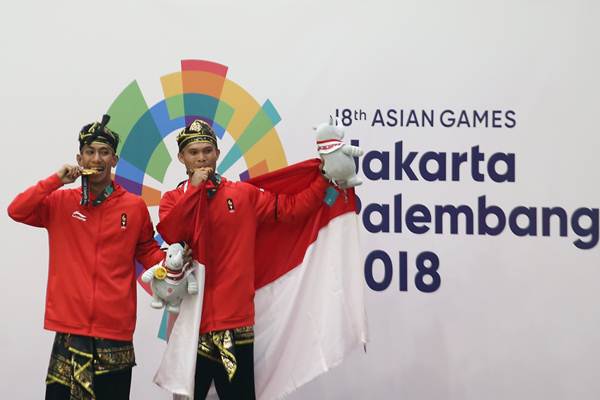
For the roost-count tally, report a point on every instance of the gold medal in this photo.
(160, 273)
(89, 171)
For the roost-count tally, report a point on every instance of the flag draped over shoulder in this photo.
(309, 303)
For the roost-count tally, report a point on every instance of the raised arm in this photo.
(178, 213)
(32, 206)
(291, 207)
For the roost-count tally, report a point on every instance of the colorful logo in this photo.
(200, 90)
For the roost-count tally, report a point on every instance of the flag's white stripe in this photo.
(308, 320)
(178, 365)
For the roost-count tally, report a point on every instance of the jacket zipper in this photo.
(95, 267)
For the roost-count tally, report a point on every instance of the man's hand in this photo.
(200, 175)
(68, 173)
(187, 256)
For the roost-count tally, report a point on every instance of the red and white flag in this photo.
(309, 303)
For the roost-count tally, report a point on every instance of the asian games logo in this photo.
(200, 90)
(248, 141)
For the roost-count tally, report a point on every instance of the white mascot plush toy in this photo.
(338, 164)
(172, 281)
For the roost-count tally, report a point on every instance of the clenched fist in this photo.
(68, 173)
(200, 175)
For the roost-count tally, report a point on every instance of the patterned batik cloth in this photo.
(219, 346)
(75, 360)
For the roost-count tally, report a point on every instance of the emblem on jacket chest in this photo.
(230, 205)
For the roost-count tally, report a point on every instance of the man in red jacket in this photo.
(95, 234)
(219, 219)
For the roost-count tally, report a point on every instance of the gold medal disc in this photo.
(160, 273)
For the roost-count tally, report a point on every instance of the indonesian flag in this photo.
(309, 303)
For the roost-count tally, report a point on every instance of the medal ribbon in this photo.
(85, 189)
(85, 192)
(213, 184)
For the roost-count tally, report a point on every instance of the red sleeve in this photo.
(290, 207)
(32, 207)
(178, 215)
(147, 251)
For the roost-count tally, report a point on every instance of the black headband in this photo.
(197, 131)
(98, 132)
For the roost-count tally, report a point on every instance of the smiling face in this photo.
(199, 155)
(98, 156)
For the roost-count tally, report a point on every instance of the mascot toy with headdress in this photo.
(172, 281)
(338, 162)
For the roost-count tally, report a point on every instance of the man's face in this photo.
(199, 155)
(98, 156)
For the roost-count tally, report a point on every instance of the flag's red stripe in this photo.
(281, 247)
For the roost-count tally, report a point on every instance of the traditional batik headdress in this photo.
(98, 132)
(197, 131)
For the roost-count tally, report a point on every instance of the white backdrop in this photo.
(513, 317)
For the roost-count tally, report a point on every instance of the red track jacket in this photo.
(222, 233)
(91, 278)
